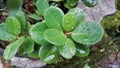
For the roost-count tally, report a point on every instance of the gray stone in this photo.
(97, 13)
(26, 63)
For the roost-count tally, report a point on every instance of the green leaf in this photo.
(53, 17)
(4, 34)
(69, 22)
(56, 0)
(13, 25)
(72, 3)
(79, 14)
(34, 54)
(42, 5)
(20, 16)
(14, 4)
(55, 37)
(34, 16)
(82, 50)
(37, 31)
(68, 50)
(88, 33)
(49, 54)
(90, 3)
(12, 48)
(28, 45)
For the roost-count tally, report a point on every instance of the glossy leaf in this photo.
(53, 17)
(37, 31)
(4, 34)
(34, 54)
(14, 4)
(49, 54)
(88, 33)
(72, 3)
(13, 25)
(56, 0)
(34, 16)
(82, 50)
(69, 22)
(79, 14)
(90, 3)
(28, 45)
(42, 5)
(55, 37)
(12, 48)
(20, 16)
(68, 50)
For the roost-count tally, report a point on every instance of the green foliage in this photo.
(14, 4)
(55, 37)
(68, 50)
(57, 34)
(90, 3)
(69, 22)
(12, 48)
(42, 5)
(49, 53)
(87, 33)
(54, 15)
(13, 25)
(5, 34)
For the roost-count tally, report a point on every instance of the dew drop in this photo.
(49, 58)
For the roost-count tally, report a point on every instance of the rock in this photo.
(26, 63)
(97, 13)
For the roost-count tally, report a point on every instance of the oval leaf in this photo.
(53, 17)
(72, 3)
(14, 4)
(69, 22)
(82, 50)
(12, 48)
(79, 14)
(42, 5)
(13, 25)
(55, 37)
(68, 50)
(37, 33)
(28, 45)
(49, 54)
(4, 34)
(34, 54)
(90, 3)
(88, 33)
(20, 16)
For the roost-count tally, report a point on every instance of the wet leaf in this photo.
(72, 3)
(4, 34)
(68, 50)
(55, 37)
(42, 5)
(78, 13)
(34, 16)
(34, 54)
(69, 22)
(82, 50)
(20, 15)
(49, 54)
(12, 48)
(90, 3)
(53, 17)
(88, 33)
(37, 31)
(28, 45)
(13, 25)
(14, 4)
